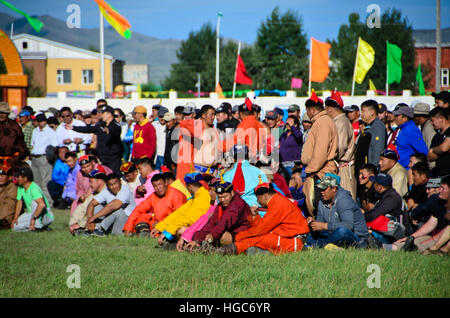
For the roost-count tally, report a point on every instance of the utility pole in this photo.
(219, 15)
(438, 46)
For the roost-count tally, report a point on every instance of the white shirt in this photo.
(40, 139)
(125, 196)
(160, 138)
(63, 133)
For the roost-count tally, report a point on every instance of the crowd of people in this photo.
(227, 180)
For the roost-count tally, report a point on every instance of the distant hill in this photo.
(140, 49)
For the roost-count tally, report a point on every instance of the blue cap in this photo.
(24, 113)
(382, 179)
(279, 111)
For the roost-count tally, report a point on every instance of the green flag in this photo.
(394, 63)
(419, 80)
(35, 23)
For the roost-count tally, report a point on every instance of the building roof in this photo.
(427, 38)
(59, 44)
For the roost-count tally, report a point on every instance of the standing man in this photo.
(346, 141)
(66, 137)
(27, 127)
(407, 138)
(319, 150)
(144, 136)
(42, 137)
(160, 128)
(171, 140)
(38, 213)
(109, 144)
(372, 139)
(352, 113)
(11, 136)
(421, 119)
(440, 145)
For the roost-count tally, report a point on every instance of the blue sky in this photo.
(241, 18)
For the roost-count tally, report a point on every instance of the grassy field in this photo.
(35, 265)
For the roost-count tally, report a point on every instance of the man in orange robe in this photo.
(155, 208)
(282, 229)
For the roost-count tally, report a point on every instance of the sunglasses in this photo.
(65, 116)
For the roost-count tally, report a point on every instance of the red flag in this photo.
(248, 103)
(238, 180)
(241, 74)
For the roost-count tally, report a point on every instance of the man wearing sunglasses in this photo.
(73, 140)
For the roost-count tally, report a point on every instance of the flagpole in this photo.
(102, 57)
(217, 47)
(198, 88)
(387, 72)
(235, 71)
(310, 57)
(354, 69)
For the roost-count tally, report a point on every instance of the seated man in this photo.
(339, 220)
(386, 218)
(229, 218)
(116, 203)
(38, 215)
(131, 177)
(155, 208)
(389, 164)
(366, 191)
(8, 195)
(187, 214)
(418, 192)
(147, 170)
(59, 176)
(282, 229)
(69, 192)
(422, 212)
(87, 164)
(426, 236)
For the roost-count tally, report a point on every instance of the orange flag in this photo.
(319, 60)
(219, 91)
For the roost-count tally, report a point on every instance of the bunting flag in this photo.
(118, 22)
(35, 23)
(364, 60)
(296, 83)
(241, 74)
(394, 63)
(319, 60)
(219, 91)
(372, 85)
(419, 80)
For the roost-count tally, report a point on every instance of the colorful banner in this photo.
(419, 80)
(296, 83)
(35, 23)
(319, 60)
(365, 58)
(118, 22)
(394, 63)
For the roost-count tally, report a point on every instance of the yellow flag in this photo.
(372, 86)
(364, 60)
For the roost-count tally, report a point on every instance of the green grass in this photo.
(34, 265)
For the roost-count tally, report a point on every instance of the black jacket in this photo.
(171, 150)
(109, 144)
(390, 203)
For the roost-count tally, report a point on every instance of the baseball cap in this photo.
(226, 105)
(235, 108)
(444, 96)
(188, 110)
(272, 115)
(24, 113)
(157, 106)
(329, 180)
(293, 107)
(279, 111)
(382, 108)
(168, 116)
(85, 159)
(382, 178)
(41, 117)
(390, 154)
(98, 173)
(106, 109)
(222, 109)
(352, 108)
(421, 109)
(162, 110)
(140, 109)
(404, 110)
(434, 183)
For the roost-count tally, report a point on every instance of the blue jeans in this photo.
(342, 236)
